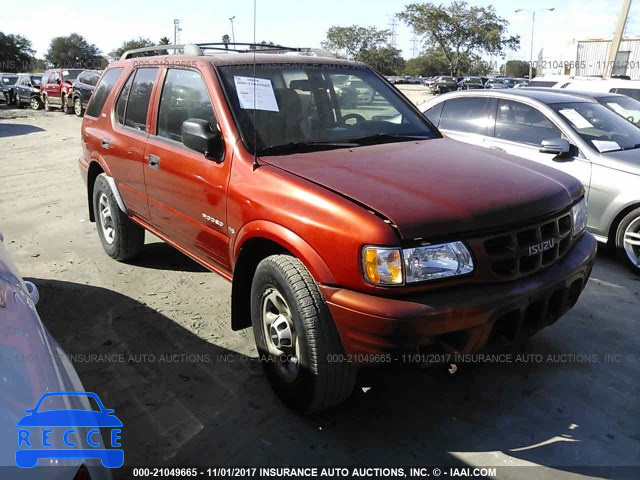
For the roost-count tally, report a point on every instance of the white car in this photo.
(630, 88)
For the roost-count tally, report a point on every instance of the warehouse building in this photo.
(592, 55)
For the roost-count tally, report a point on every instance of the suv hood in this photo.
(439, 187)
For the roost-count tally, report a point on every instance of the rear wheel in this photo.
(628, 240)
(66, 108)
(120, 237)
(298, 344)
(77, 107)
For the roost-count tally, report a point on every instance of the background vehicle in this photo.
(470, 83)
(572, 133)
(23, 382)
(27, 90)
(443, 84)
(56, 88)
(7, 81)
(82, 90)
(630, 88)
(495, 83)
(365, 94)
(289, 199)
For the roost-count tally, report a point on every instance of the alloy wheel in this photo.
(280, 334)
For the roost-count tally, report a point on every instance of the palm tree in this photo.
(226, 40)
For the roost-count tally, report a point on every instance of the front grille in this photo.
(528, 249)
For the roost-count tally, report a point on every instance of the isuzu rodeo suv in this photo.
(352, 234)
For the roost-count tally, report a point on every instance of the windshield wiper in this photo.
(386, 138)
(297, 147)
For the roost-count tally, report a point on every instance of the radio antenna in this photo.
(255, 134)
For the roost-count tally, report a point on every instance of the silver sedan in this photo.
(573, 133)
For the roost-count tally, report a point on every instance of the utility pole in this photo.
(533, 23)
(617, 38)
(233, 35)
(176, 30)
(394, 36)
(414, 46)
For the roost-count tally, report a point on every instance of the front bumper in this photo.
(461, 319)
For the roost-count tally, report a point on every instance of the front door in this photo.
(187, 191)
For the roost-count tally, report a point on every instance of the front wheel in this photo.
(35, 103)
(120, 237)
(66, 108)
(296, 338)
(77, 107)
(628, 240)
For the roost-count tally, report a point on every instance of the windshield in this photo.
(473, 80)
(310, 106)
(9, 79)
(624, 106)
(599, 126)
(36, 80)
(71, 74)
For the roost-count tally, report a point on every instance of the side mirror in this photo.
(555, 146)
(58, 81)
(199, 135)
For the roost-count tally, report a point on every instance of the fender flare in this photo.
(290, 241)
(116, 192)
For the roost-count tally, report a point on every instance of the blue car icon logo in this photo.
(68, 433)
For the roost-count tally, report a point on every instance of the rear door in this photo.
(468, 119)
(521, 128)
(125, 149)
(187, 191)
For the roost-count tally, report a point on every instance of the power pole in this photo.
(393, 24)
(414, 46)
(233, 35)
(617, 38)
(176, 30)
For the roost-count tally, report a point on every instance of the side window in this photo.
(433, 114)
(521, 123)
(102, 91)
(470, 115)
(81, 78)
(92, 79)
(45, 78)
(184, 96)
(133, 102)
(629, 92)
(54, 77)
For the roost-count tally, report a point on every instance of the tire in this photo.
(47, 105)
(285, 300)
(120, 237)
(65, 107)
(35, 103)
(629, 231)
(77, 107)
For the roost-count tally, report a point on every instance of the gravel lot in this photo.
(190, 392)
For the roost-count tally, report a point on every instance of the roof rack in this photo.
(199, 49)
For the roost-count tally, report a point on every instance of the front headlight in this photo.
(384, 265)
(433, 262)
(579, 216)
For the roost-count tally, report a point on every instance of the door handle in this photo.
(105, 143)
(154, 161)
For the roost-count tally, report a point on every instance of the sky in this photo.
(302, 23)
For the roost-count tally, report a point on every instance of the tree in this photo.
(516, 68)
(387, 60)
(459, 29)
(74, 51)
(352, 41)
(429, 64)
(226, 40)
(16, 53)
(139, 42)
(164, 41)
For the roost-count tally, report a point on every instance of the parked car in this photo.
(24, 338)
(495, 83)
(27, 90)
(365, 93)
(630, 88)
(348, 238)
(56, 89)
(571, 133)
(7, 81)
(82, 90)
(470, 83)
(443, 84)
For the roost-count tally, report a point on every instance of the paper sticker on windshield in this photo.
(616, 107)
(574, 117)
(605, 145)
(256, 93)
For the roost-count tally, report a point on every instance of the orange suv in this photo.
(353, 234)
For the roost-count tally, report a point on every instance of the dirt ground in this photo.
(152, 339)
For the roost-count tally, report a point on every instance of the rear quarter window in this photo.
(102, 91)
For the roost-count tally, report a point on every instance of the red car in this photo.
(56, 89)
(352, 236)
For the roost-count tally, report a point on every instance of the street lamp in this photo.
(533, 22)
(233, 35)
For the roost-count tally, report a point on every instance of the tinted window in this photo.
(184, 96)
(101, 93)
(54, 77)
(470, 115)
(629, 92)
(521, 123)
(136, 94)
(36, 80)
(541, 83)
(433, 114)
(92, 79)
